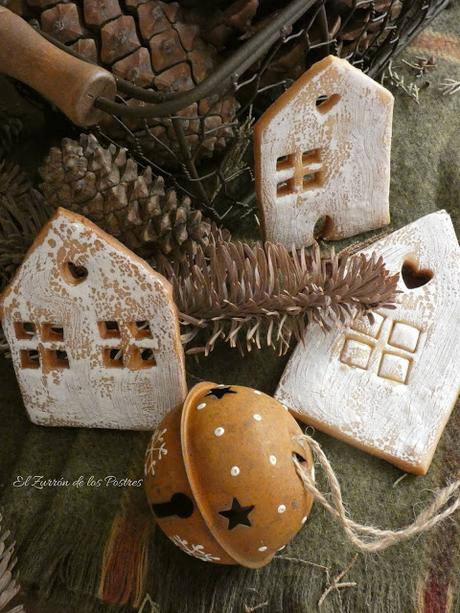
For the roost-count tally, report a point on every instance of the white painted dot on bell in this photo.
(273, 460)
(219, 431)
(285, 407)
(221, 385)
(263, 548)
(201, 406)
(235, 471)
(304, 519)
(281, 508)
(257, 392)
(257, 417)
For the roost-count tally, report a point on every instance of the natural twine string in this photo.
(377, 539)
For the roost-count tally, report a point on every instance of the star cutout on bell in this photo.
(237, 515)
(219, 392)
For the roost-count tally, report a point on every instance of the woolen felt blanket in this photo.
(61, 532)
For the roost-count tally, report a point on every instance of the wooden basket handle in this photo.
(66, 81)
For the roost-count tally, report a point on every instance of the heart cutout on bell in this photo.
(413, 276)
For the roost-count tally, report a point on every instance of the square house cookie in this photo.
(388, 387)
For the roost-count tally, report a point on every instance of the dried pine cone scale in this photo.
(106, 185)
(149, 43)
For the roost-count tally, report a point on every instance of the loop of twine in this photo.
(377, 539)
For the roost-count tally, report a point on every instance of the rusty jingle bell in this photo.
(220, 478)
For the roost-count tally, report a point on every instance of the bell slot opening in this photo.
(180, 505)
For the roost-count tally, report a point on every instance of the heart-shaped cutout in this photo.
(413, 276)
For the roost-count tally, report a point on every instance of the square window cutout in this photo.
(355, 353)
(394, 367)
(113, 357)
(55, 359)
(141, 357)
(284, 162)
(311, 157)
(404, 336)
(311, 180)
(109, 329)
(285, 188)
(52, 332)
(141, 329)
(362, 324)
(24, 330)
(30, 358)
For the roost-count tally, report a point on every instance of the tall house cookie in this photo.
(322, 153)
(93, 331)
(389, 386)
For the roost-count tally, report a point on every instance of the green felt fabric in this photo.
(61, 531)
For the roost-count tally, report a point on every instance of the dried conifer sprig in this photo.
(23, 212)
(9, 587)
(266, 295)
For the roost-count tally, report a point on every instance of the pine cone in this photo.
(106, 185)
(150, 44)
(366, 25)
(9, 588)
(352, 27)
(223, 26)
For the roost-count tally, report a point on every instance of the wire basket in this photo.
(365, 32)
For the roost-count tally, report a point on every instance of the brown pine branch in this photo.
(265, 295)
(9, 587)
(23, 212)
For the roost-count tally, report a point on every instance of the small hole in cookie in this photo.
(323, 227)
(413, 276)
(75, 273)
(325, 103)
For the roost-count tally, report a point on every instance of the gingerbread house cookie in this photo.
(93, 331)
(389, 385)
(322, 153)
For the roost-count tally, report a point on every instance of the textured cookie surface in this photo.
(389, 386)
(322, 150)
(93, 331)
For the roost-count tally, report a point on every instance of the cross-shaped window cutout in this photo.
(299, 172)
(47, 345)
(131, 351)
(392, 343)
